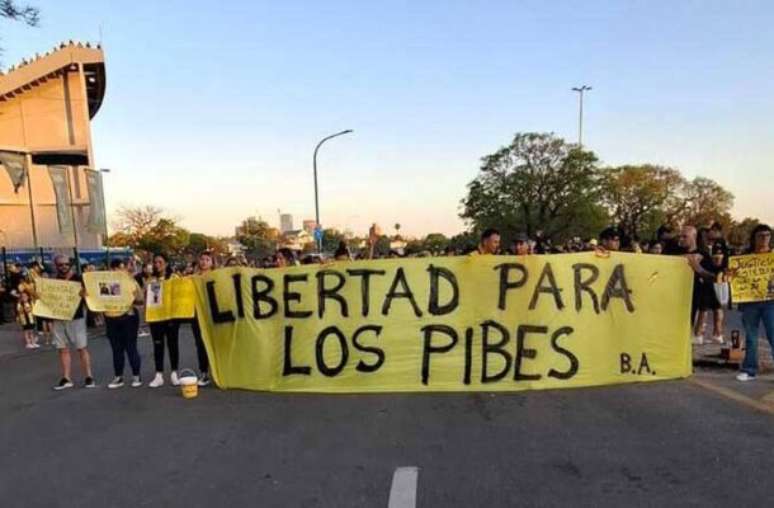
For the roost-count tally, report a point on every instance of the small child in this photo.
(27, 320)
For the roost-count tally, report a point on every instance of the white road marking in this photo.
(403, 493)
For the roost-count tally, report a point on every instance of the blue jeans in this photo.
(752, 315)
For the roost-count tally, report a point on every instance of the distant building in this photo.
(286, 223)
(309, 225)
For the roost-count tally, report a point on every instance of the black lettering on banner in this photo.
(237, 279)
(582, 285)
(644, 365)
(436, 273)
(524, 352)
(288, 368)
(324, 293)
(506, 284)
(400, 278)
(289, 296)
(379, 352)
(365, 287)
(324, 369)
(263, 296)
(496, 348)
(468, 354)
(617, 288)
(570, 372)
(217, 316)
(552, 288)
(626, 363)
(429, 348)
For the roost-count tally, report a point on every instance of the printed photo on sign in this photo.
(155, 295)
(110, 289)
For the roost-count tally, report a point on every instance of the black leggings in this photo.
(122, 333)
(201, 351)
(161, 331)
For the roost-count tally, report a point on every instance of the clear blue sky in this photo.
(213, 108)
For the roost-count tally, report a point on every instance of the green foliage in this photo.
(257, 236)
(331, 239)
(538, 182)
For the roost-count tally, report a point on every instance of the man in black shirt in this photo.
(688, 245)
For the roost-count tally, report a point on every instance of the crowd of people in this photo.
(705, 249)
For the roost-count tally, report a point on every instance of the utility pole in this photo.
(580, 90)
(318, 228)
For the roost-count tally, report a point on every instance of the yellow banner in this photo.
(111, 291)
(753, 277)
(484, 323)
(170, 299)
(57, 299)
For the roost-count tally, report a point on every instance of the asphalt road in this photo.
(681, 443)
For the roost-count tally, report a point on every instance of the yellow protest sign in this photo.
(169, 299)
(111, 291)
(57, 299)
(480, 323)
(753, 277)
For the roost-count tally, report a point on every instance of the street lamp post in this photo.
(104, 211)
(580, 90)
(318, 234)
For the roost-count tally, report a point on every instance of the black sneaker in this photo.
(89, 382)
(63, 384)
(204, 380)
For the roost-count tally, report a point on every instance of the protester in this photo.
(121, 329)
(716, 264)
(285, 257)
(204, 265)
(688, 243)
(72, 332)
(26, 320)
(489, 244)
(610, 239)
(342, 252)
(755, 313)
(521, 246)
(164, 332)
(656, 248)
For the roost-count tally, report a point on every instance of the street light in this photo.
(318, 234)
(104, 211)
(580, 90)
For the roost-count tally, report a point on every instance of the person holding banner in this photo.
(166, 331)
(490, 243)
(753, 313)
(72, 332)
(204, 265)
(121, 329)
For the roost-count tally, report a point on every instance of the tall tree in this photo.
(704, 202)
(639, 198)
(538, 182)
(257, 236)
(149, 229)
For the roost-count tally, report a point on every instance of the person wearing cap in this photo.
(521, 245)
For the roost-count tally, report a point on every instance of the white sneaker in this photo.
(136, 382)
(174, 379)
(698, 340)
(157, 381)
(35, 346)
(743, 376)
(718, 339)
(30, 346)
(117, 382)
